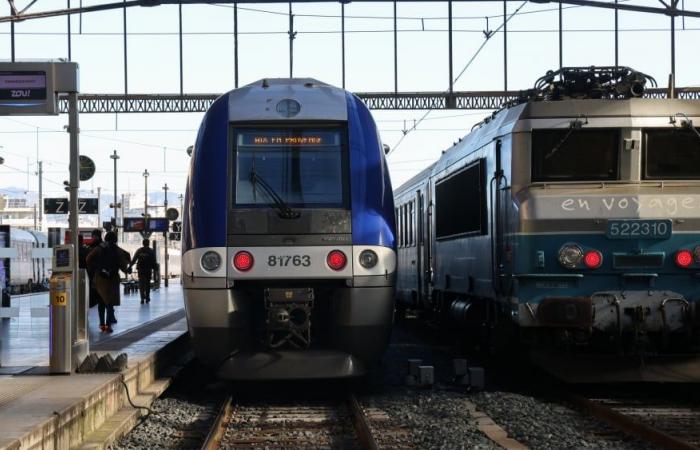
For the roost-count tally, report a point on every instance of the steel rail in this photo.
(362, 428)
(629, 425)
(216, 433)
(465, 100)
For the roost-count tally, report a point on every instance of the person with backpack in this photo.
(145, 258)
(105, 261)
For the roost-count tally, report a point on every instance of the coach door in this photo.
(426, 220)
(499, 193)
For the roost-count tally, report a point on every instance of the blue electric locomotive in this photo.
(570, 218)
(289, 261)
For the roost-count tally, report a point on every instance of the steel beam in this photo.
(173, 103)
(149, 3)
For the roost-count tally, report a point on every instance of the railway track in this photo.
(663, 422)
(313, 424)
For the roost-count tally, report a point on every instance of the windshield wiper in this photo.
(283, 210)
(573, 125)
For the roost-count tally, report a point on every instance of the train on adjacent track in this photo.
(289, 260)
(568, 219)
(21, 270)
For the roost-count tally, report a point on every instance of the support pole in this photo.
(449, 45)
(126, 65)
(396, 53)
(342, 40)
(179, 6)
(617, 37)
(74, 158)
(673, 46)
(40, 173)
(165, 250)
(70, 56)
(122, 217)
(12, 40)
(561, 37)
(235, 44)
(291, 42)
(115, 157)
(505, 45)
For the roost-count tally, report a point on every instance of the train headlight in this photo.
(336, 260)
(210, 261)
(368, 259)
(243, 261)
(696, 254)
(570, 256)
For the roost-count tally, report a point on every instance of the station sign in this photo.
(62, 206)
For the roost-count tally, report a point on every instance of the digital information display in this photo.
(62, 257)
(155, 224)
(22, 86)
(260, 138)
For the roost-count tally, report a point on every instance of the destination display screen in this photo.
(22, 86)
(287, 139)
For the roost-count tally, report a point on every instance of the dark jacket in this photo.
(145, 260)
(94, 295)
(105, 261)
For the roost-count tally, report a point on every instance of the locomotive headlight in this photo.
(210, 261)
(368, 259)
(696, 254)
(570, 256)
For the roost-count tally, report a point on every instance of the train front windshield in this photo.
(306, 168)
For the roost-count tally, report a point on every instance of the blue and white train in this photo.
(289, 261)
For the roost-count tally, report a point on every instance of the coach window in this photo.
(575, 154)
(405, 225)
(671, 153)
(460, 203)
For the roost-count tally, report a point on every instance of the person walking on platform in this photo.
(145, 258)
(96, 236)
(105, 261)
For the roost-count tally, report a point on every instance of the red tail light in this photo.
(243, 261)
(684, 258)
(336, 260)
(593, 259)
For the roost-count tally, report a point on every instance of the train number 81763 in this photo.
(289, 260)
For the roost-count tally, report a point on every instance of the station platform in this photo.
(24, 337)
(87, 411)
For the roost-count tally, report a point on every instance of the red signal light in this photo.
(593, 259)
(243, 261)
(684, 258)
(336, 260)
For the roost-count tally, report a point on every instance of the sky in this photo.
(158, 142)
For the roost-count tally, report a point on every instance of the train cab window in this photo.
(575, 154)
(306, 168)
(671, 153)
(460, 202)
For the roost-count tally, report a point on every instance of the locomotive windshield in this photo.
(575, 154)
(301, 167)
(671, 153)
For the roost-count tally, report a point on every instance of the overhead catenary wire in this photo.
(464, 69)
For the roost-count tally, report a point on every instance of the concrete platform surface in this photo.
(24, 339)
(39, 411)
